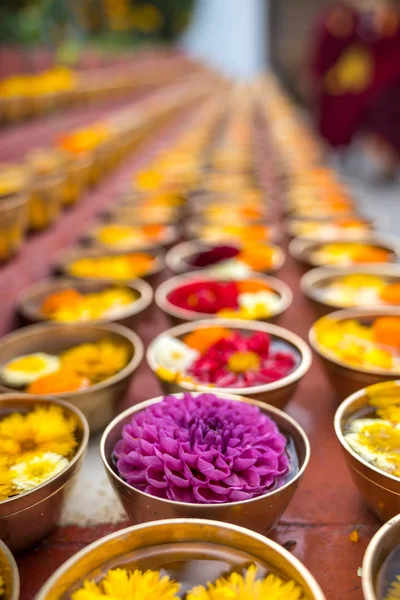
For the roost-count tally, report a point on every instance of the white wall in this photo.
(229, 35)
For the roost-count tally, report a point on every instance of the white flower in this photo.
(379, 459)
(231, 269)
(34, 471)
(259, 303)
(173, 355)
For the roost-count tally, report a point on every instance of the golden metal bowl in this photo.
(97, 402)
(46, 201)
(27, 518)
(301, 249)
(344, 378)
(78, 252)
(170, 236)
(379, 548)
(180, 315)
(30, 301)
(9, 572)
(380, 490)
(177, 258)
(259, 514)
(313, 282)
(13, 222)
(163, 537)
(277, 393)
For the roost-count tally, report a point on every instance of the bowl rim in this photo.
(79, 251)
(367, 574)
(32, 399)
(344, 315)
(161, 294)
(280, 551)
(256, 326)
(178, 254)
(31, 292)
(171, 235)
(113, 328)
(265, 408)
(15, 591)
(299, 246)
(337, 424)
(318, 275)
(14, 200)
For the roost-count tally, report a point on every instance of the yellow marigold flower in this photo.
(120, 584)
(96, 361)
(394, 591)
(44, 429)
(6, 486)
(36, 470)
(237, 587)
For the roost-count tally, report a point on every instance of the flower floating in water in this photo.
(223, 358)
(34, 447)
(360, 289)
(376, 438)
(119, 267)
(75, 369)
(202, 449)
(250, 299)
(374, 346)
(231, 262)
(35, 471)
(348, 253)
(235, 233)
(125, 237)
(308, 228)
(248, 587)
(69, 305)
(394, 590)
(44, 429)
(120, 584)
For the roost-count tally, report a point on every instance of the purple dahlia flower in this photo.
(203, 450)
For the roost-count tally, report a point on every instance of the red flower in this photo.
(207, 297)
(243, 361)
(213, 256)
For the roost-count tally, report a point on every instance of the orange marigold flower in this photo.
(60, 382)
(387, 331)
(59, 300)
(258, 256)
(252, 286)
(391, 293)
(370, 254)
(202, 339)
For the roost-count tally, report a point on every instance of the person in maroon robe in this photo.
(355, 70)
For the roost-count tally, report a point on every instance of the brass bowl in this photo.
(344, 378)
(301, 249)
(46, 199)
(137, 214)
(77, 179)
(13, 222)
(161, 537)
(27, 518)
(259, 514)
(30, 301)
(170, 236)
(380, 490)
(177, 258)
(180, 315)
(292, 228)
(276, 394)
(315, 280)
(9, 572)
(379, 548)
(77, 252)
(97, 402)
